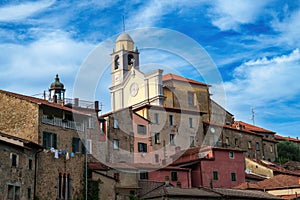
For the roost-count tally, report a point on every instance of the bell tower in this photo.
(123, 59)
(57, 91)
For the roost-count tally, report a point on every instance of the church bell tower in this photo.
(124, 58)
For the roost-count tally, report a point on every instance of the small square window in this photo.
(236, 142)
(141, 129)
(142, 147)
(116, 144)
(215, 175)
(231, 154)
(143, 175)
(174, 176)
(76, 144)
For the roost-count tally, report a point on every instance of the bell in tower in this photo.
(124, 58)
(57, 91)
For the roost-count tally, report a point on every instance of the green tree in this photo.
(288, 150)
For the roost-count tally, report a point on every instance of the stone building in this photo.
(17, 167)
(60, 129)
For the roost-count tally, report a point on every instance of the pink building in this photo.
(178, 177)
(214, 166)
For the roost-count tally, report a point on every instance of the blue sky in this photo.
(254, 44)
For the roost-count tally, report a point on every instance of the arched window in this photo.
(130, 59)
(117, 63)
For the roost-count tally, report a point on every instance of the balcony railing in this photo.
(55, 121)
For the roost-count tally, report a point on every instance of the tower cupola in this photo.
(57, 91)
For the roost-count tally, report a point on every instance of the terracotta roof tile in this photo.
(279, 137)
(168, 77)
(253, 128)
(40, 101)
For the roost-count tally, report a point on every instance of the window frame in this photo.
(156, 118)
(174, 176)
(172, 139)
(215, 175)
(233, 177)
(116, 144)
(191, 122)
(231, 154)
(191, 98)
(141, 129)
(142, 147)
(157, 138)
(171, 120)
(144, 175)
(49, 140)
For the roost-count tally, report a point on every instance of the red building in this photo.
(179, 177)
(213, 166)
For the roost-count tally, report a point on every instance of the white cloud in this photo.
(229, 14)
(23, 10)
(270, 85)
(288, 27)
(30, 68)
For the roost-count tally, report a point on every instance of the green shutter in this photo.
(54, 138)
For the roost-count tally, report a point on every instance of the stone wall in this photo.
(19, 117)
(21, 176)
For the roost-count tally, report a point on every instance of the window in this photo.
(117, 62)
(63, 186)
(172, 139)
(141, 129)
(14, 160)
(102, 126)
(156, 158)
(249, 145)
(271, 148)
(171, 122)
(215, 175)
(233, 176)
(236, 142)
(76, 144)
(174, 176)
(191, 122)
(192, 141)
(116, 144)
(257, 146)
(49, 140)
(117, 176)
(116, 123)
(142, 147)
(89, 146)
(13, 192)
(157, 138)
(231, 154)
(156, 118)
(143, 175)
(191, 99)
(30, 164)
(28, 193)
(227, 141)
(91, 122)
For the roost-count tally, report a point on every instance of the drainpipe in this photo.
(35, 171)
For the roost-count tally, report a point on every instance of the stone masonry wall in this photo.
(18, 117)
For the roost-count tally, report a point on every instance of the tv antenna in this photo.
(253, 115)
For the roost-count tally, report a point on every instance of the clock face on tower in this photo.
(134, 88)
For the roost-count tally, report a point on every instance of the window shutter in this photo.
(73, 144)
(54, 144)
(45, 140)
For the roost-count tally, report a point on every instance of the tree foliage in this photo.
(288, 150)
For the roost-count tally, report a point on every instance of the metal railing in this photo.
(55, 121)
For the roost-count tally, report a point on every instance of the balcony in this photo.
(63, 123)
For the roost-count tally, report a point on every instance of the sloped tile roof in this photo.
(40, 101)
(280, 181)
(279, 137)
(253, 128)
(168, 77)
(238, 193)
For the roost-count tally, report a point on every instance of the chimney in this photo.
(97, 106)
(76, 102)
